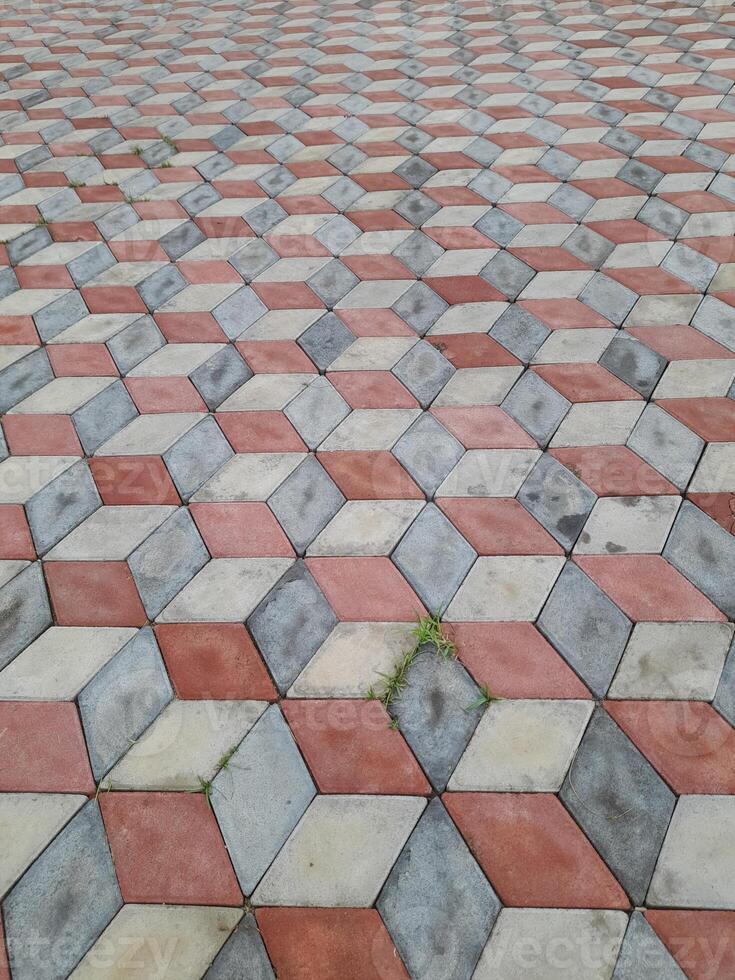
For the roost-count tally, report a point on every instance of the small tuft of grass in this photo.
(41, 223)
(76, 183)
(487, 697)
(137, 151)
(101, 788)
(429, 629)
(169, 142)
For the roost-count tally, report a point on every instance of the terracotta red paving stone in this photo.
(453, 238)
(133, 480)
(154, 395)
(680, 343)
(719, 506)
(18, 330)
(465, 350)
(168, 849)
(376, 267)
(260, 432)
(241, 530)
(43, 748)
(688, 742)
(535, 213)
(375, 323)
(701, 942)
(214, 661)
(515, 661)
(370, 476)
(585, 383)
(112, 299)
(366, 590)
(93, 593)
(81, 360)
(464, 289)
(563, 314)
(296, 246)
(533, 852)
(329, 944)
(41, 435)
(711, 418)
(651, 281)
(648, 589)
(287, 296)
(349, 747)
(613, 471)
(15, 535)
(44, 277)
(498, 526)
(483, 427)
(208, 272)
(275, 357)
(137, 251)
(548, 259)
(372, 389)
(190, 328)
(698, 202)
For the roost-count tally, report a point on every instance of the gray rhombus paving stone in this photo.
(557, 499)
(122, 700)
(24, 612)
(424, 371)
(643, 956)
(519, 332)
(428, 452)
(103, 416)
(437, 904)
(507, 274)
(63, 902)
(305, 503)
(667, 444)
(243, 956)
(333, 281)
(239, 311)
(418, 252)
(218, 377)
(434, 557)
(136, 342)
(587, 629)
(420, 307)
(181, 240)
(634, 363)
(608, 298)
(62, 504)
(620, 802)
(337, 233)
(167, 560)
(704, 552)
(724, 700)
(432, 713)
(417, 208)
(164, 284)
(499, 226)
(197, 456)
(260, 797)
(24, 377)
(690, 265)
(717, 320)
(253, 259)
(325, 340)
(536, 406)
(291, 623)
(316, 411)
(59, 315)
(90, 264)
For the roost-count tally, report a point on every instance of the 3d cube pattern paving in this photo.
(316, 318)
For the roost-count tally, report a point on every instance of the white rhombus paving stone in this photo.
(553, 944)
(673, 661)
(366, 527)
(266, 392)
(365, 835)
(505, 589)
(23, 476)
(478, 386)
(150, 435)
(370, 429)
(522, 746)
(249, 476)
(716, 470)
(696, 866)
(225, 591)
(110, 534)
(165, 942)
(618, 525)
(184, 744)
(28, 822)
(351, 659)
(489, 473)
(57, 665)
(62, 396)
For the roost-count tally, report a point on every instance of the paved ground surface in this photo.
(315, 319)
